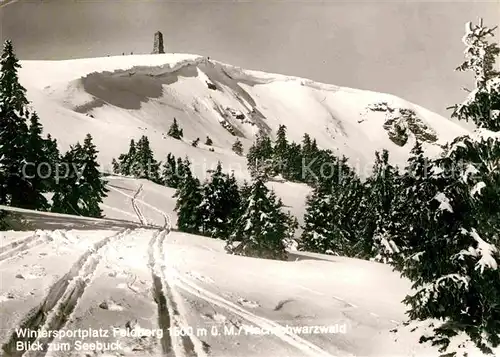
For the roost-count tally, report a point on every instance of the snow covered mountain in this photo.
(121, 98)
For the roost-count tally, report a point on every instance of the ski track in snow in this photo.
(294, 340)
(22, 245)
(61, 300)
(135, 199)
(159, 297)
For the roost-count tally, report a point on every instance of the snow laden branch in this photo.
(484, 251)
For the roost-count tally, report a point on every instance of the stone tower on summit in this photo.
(158, 43)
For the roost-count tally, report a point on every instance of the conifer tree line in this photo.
(450, 248)
(176, 132)
(31, 166)
(304, 162)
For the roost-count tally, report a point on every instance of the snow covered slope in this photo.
(150, 279)
(123, 287)
(155, 201)
(121, 98)
(203, 291)
(137, 281)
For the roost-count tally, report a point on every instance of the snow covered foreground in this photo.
(155, 201)
(85, 281)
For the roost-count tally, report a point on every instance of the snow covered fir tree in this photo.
(220, 204)
(262, 229)
(382, 215)
(139, 162)
(145, 165)
(15, 189)
(238, 147)
(259, 157)
(80, 192)
(171, 173)
(125, 162)
(334, 217)
(189, 195)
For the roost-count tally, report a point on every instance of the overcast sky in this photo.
(407, 48)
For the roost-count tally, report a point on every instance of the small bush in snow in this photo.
(174, 131)
(263, 228)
